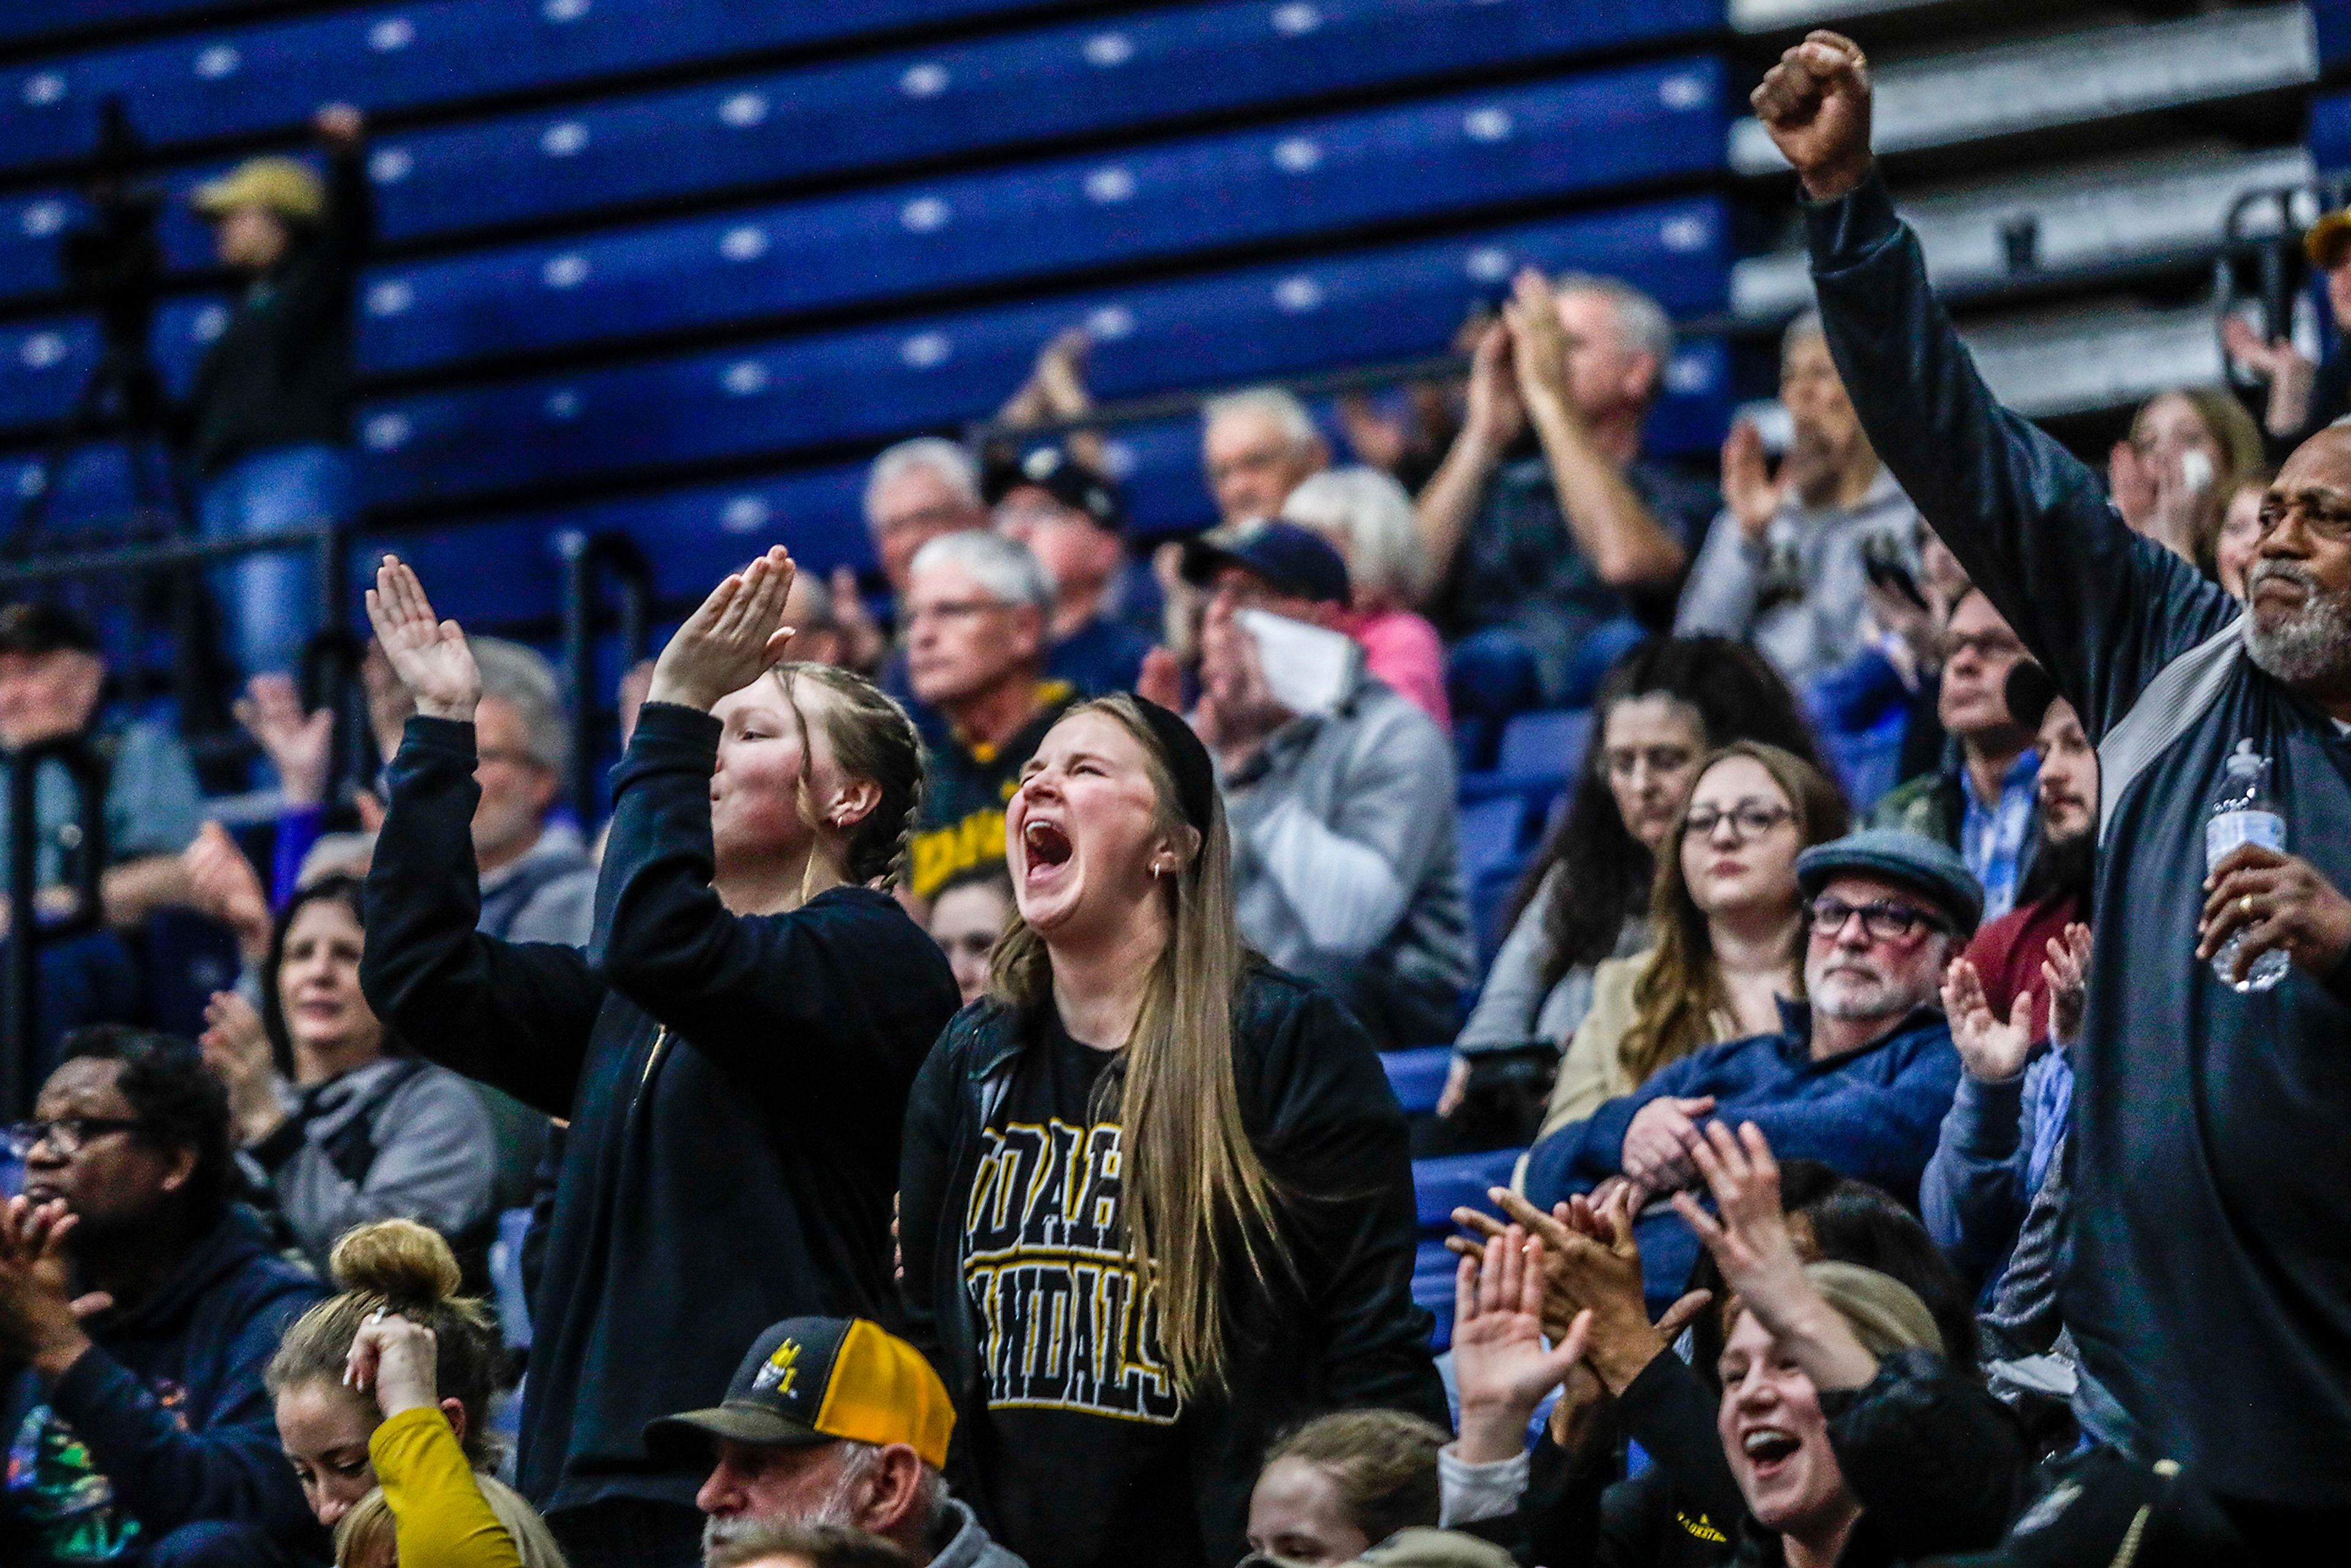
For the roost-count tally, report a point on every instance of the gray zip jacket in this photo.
(1796, 594)
(2209, 1283)
(1345, 865)
(969, 1546)
(433, 1160)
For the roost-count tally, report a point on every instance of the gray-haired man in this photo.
(537, 882)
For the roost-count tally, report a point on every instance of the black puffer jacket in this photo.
(1319, 1113)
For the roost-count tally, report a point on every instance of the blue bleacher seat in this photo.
(1491, 834)
(1442, 1185)
(872, 383)
(1545, 745)
(1489, 899)
(271, 74)
(1417, 1075)
(956, 97)
(506, 1278)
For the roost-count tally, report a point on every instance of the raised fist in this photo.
(1815, 104)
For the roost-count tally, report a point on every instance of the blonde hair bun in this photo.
(399, 1259)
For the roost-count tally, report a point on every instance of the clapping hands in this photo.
(736, 637)
(40, 1317)
(1499, 1361)
(430, 655)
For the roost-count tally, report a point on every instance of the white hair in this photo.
(838, 1506)
(1278, 404)
(1641, 325)
(521, 677)
(1385, 561)
(943, 457)
(1003, 567)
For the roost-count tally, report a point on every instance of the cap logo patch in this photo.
(782, 1368)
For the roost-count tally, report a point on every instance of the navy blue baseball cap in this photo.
(1925, 866)
(1286, 557)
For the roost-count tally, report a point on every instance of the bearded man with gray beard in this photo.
(2210, 1284)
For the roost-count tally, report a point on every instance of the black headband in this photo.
(1187, 763)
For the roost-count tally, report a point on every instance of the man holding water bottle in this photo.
(2210, 1285)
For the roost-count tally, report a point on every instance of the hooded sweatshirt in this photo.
(163, 1421)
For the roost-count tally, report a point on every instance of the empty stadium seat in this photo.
(1417, 1076)
(1459, 1181)
(270, 76)
(1463, 152)
(960, 97)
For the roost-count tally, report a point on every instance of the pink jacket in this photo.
(1405, 651)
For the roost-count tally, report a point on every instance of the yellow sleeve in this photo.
(438, 1514)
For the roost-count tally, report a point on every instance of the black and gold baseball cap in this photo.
(807, 1381)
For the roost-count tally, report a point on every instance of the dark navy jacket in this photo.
(167, 1407)
(2210, 1290)
(1871, 1113)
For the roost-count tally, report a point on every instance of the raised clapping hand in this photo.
(1499, 1362)
(736, 636)
(2067, 970)
(295, 742)
(429, 655)
(1815, 104)
(395, 1359)
(1991, 1051)
(40, 1317)
(1747, 489)
(2277, 900)
(1749, 1235)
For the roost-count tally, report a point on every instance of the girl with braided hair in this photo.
(733, 1051)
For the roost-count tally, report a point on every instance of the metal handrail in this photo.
(588, 560)
(27, 933)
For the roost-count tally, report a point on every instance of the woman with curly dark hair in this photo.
(1658, 711)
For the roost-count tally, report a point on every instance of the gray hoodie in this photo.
(1346, 865)
(969, 1546)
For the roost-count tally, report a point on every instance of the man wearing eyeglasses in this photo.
(1858, 1077)
(1980, 801)
(138, 1308)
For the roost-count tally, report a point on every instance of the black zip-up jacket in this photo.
(280, 374)
(728, 1166)
(1937, 1465)
(1319, 1113)
(2210, 1288)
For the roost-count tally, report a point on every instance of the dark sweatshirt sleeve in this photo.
(743, 988)
(1577, 1514)
(2101, 607)
(350, 211)
(515, 1016)
(168, 1476)
(925, 1158)
(1670, 1412)
(1937, 1464)
(1337, 1145)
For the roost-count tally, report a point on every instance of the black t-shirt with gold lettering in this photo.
(1080, 1449)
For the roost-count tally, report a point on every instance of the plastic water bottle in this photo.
(2244, 812)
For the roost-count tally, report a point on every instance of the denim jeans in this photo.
(268, 603)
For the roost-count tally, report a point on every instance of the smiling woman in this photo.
(1142, 1116)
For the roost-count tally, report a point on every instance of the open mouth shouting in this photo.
(1767, 1448)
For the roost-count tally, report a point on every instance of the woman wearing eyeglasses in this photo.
(1729, 925)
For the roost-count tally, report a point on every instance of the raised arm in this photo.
(2102, 608)
(515, 1016)
(783, 998)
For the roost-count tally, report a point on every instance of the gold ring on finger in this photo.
(2245, 905)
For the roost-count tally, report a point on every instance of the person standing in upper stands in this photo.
(270, 412)
(1366, 516)
(733, 1051)
(1069, 517)
(1257, 446)
(2305, 398)
(977, 606)
(137, 1309)
(915, 491)
(1195, 1152)
(2206, 1289)
(1346, 865)
(1549, 545)
(1981, 801)
(1787, 564)
(1858, 1077)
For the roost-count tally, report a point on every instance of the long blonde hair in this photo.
(1678, 997)
(1197, 1199)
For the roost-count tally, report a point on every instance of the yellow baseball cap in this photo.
(2328, 239)
(287, 186)
(807, 1381)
